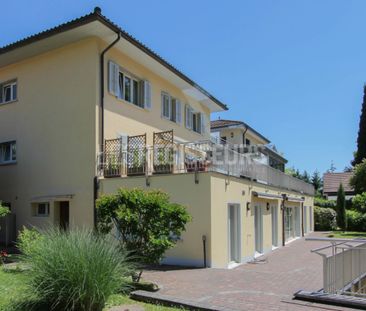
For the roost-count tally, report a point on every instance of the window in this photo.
(8, 152)
(247, 142)
(42, 209)
(171, 108)
(8, 92)
(223, 140)
(195, 120)
(126, 86)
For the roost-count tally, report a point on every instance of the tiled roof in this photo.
(331, 182)
(217, 124)
(97, 15)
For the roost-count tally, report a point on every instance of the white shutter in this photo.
(186, 115)
(178, 111)
(113, 78)
(147, 94)
(203, 123)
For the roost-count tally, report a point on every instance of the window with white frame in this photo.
(41, 209)
(195, 121)
(126, 86)
(8, 152)
(171, 108)
(8, 92)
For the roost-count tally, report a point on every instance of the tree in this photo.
(147, 222)
(316, 180)
(332, 168)
(361, 138)
(305, 177)
(358, 180)
(341, 208)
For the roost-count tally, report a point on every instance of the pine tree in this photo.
(361, 139)
(341, 208)
(316, 180)
(305, 177)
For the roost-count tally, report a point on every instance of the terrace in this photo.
(131, 156)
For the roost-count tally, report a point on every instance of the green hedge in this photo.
(324, 203)
(325, 219)
(356, 221)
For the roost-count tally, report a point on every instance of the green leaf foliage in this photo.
(356, 221)
(358, 180)
(359, 202)
(147, 222)
(325, 219)
(3, 210)
(324, 203)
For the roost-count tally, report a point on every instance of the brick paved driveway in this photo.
(266, 285)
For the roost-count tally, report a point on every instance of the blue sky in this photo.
(292, 69)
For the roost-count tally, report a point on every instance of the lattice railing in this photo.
(136, 155)
(163, 152)
(112, 158)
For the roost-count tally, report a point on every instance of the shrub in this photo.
(76, 270)
(324, 203)
(3, 210)
(28, 239)
(325, 219)
(356, 221)
(358, 180)
(148, 223)
(359, 202)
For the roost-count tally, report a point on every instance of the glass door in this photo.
(289, 223)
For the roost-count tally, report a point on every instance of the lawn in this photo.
(13, 286)
(347, 235)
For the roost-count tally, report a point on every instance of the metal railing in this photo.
(194, 157)
(344, 266)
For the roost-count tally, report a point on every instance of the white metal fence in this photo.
(344, 266)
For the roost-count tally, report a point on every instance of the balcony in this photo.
(166, 156)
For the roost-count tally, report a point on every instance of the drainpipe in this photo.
(101, 118)
(102, 89)
(283, 219)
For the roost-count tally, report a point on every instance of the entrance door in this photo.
(297, 221)
(64, 215)
(258, 229)
(289, 223)
(274, 214)
(234, 233)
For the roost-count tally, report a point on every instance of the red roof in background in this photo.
(332, 181)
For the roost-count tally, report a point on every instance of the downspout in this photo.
(302, 219)
(101, 120)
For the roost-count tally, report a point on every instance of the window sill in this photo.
(9, 102)
(166, 119)
(130, 104)
(41, 216)
(8, 163)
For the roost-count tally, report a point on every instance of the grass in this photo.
(347, 235)
(13, 288)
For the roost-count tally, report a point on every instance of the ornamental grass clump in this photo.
(76, 270)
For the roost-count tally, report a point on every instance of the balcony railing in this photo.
(126, 160)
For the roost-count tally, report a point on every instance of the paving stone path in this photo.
(266, 285)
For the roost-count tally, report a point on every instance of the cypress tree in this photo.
(361, 139)
(341, 208)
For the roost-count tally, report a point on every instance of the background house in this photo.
(331, 184)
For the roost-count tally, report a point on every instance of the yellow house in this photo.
(86, 109)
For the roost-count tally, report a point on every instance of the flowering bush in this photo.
(3, 256)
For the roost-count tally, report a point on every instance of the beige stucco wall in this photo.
(183, 190)
(53, 123)
(237, 138)
(124, 117)
(208, 203)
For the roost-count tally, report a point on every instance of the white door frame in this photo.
(237, 233)
(258, 228)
